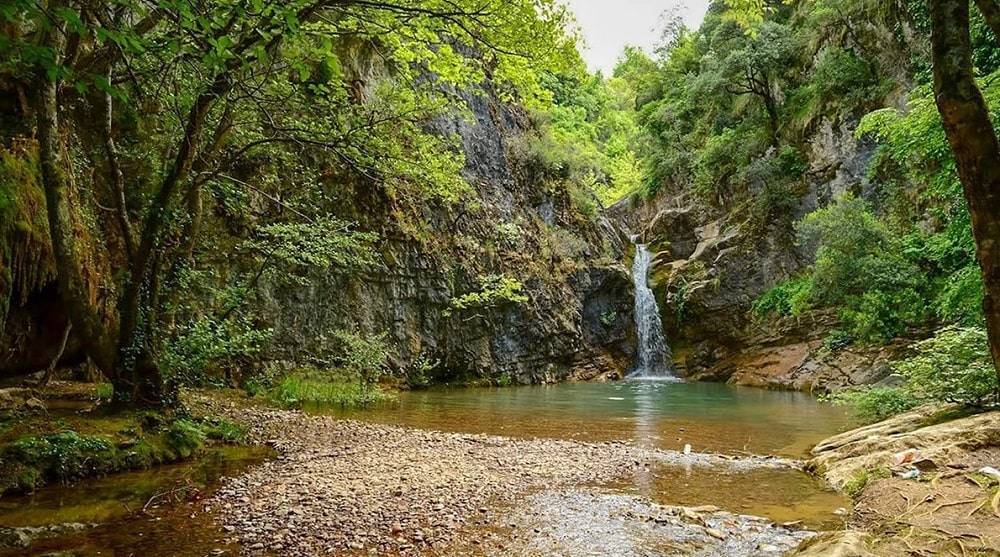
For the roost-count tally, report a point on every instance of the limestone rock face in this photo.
(576, 323)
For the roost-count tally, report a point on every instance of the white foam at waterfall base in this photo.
(652, 353)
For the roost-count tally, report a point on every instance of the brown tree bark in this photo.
(974, 142)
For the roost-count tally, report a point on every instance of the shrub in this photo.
(874, 404)
(494, 290)
(223, 430)
(862, 268)
(953, 366)
(787, 298)
(363, 358)
(185, 437)
(66, 455)
(206, 343)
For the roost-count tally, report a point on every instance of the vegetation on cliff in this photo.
(736, 114)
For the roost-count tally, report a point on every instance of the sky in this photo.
(609, 25)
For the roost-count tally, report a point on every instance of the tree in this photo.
(753, 69)
(973, 141)
(245, 94)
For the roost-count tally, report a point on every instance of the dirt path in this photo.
(351, 487)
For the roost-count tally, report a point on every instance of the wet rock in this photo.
(879, 445)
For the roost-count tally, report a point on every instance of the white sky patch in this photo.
(609, 25)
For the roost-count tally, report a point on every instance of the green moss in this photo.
(185, 437)
(53, 452)
(857, 483)
(25, 251)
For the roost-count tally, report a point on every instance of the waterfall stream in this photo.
(653, 354)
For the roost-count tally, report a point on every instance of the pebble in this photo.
(343, 484)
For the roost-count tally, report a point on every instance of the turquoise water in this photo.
(711, 417)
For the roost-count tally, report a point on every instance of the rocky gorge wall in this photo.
(517, 221)
(576, 320)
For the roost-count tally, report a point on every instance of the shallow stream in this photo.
(107, 517)
(710, 417)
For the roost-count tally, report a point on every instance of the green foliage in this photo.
(787, 298)
(608, 318)
(318, 388)
(954, 366)
(220, 429)
(294, 249)
(494, 291)
(912, 145)
(861, 268)
(204, 344)
(104, 391)
(857, 483)
(587, 137)
(874, 404)
(64, 456)
(421, 371)
(362, 357)
(185, 437)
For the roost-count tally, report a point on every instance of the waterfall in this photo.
(653, 353)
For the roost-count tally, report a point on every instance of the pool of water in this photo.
(711, 417)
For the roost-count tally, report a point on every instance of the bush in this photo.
(874, 404)
(206, 343)
(788, 298)
(363, 358)
(862, 268)
(953, 366)
(494, 290)
(66, 456)
(185, 437)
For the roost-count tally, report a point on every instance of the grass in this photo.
(295, 390)
(104, 391)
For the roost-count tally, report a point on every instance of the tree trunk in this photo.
(991, 13)
(974, 142)
(72, 288)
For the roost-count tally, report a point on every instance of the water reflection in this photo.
(710, 417)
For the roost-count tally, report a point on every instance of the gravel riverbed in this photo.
(347, 487)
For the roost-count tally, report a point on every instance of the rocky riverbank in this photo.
(924, 483)
(345, 486)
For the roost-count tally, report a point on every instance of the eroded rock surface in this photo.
(917, 484)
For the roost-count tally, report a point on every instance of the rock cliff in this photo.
(712, 262)
(577, 320)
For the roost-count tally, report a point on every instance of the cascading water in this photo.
(653, 353)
